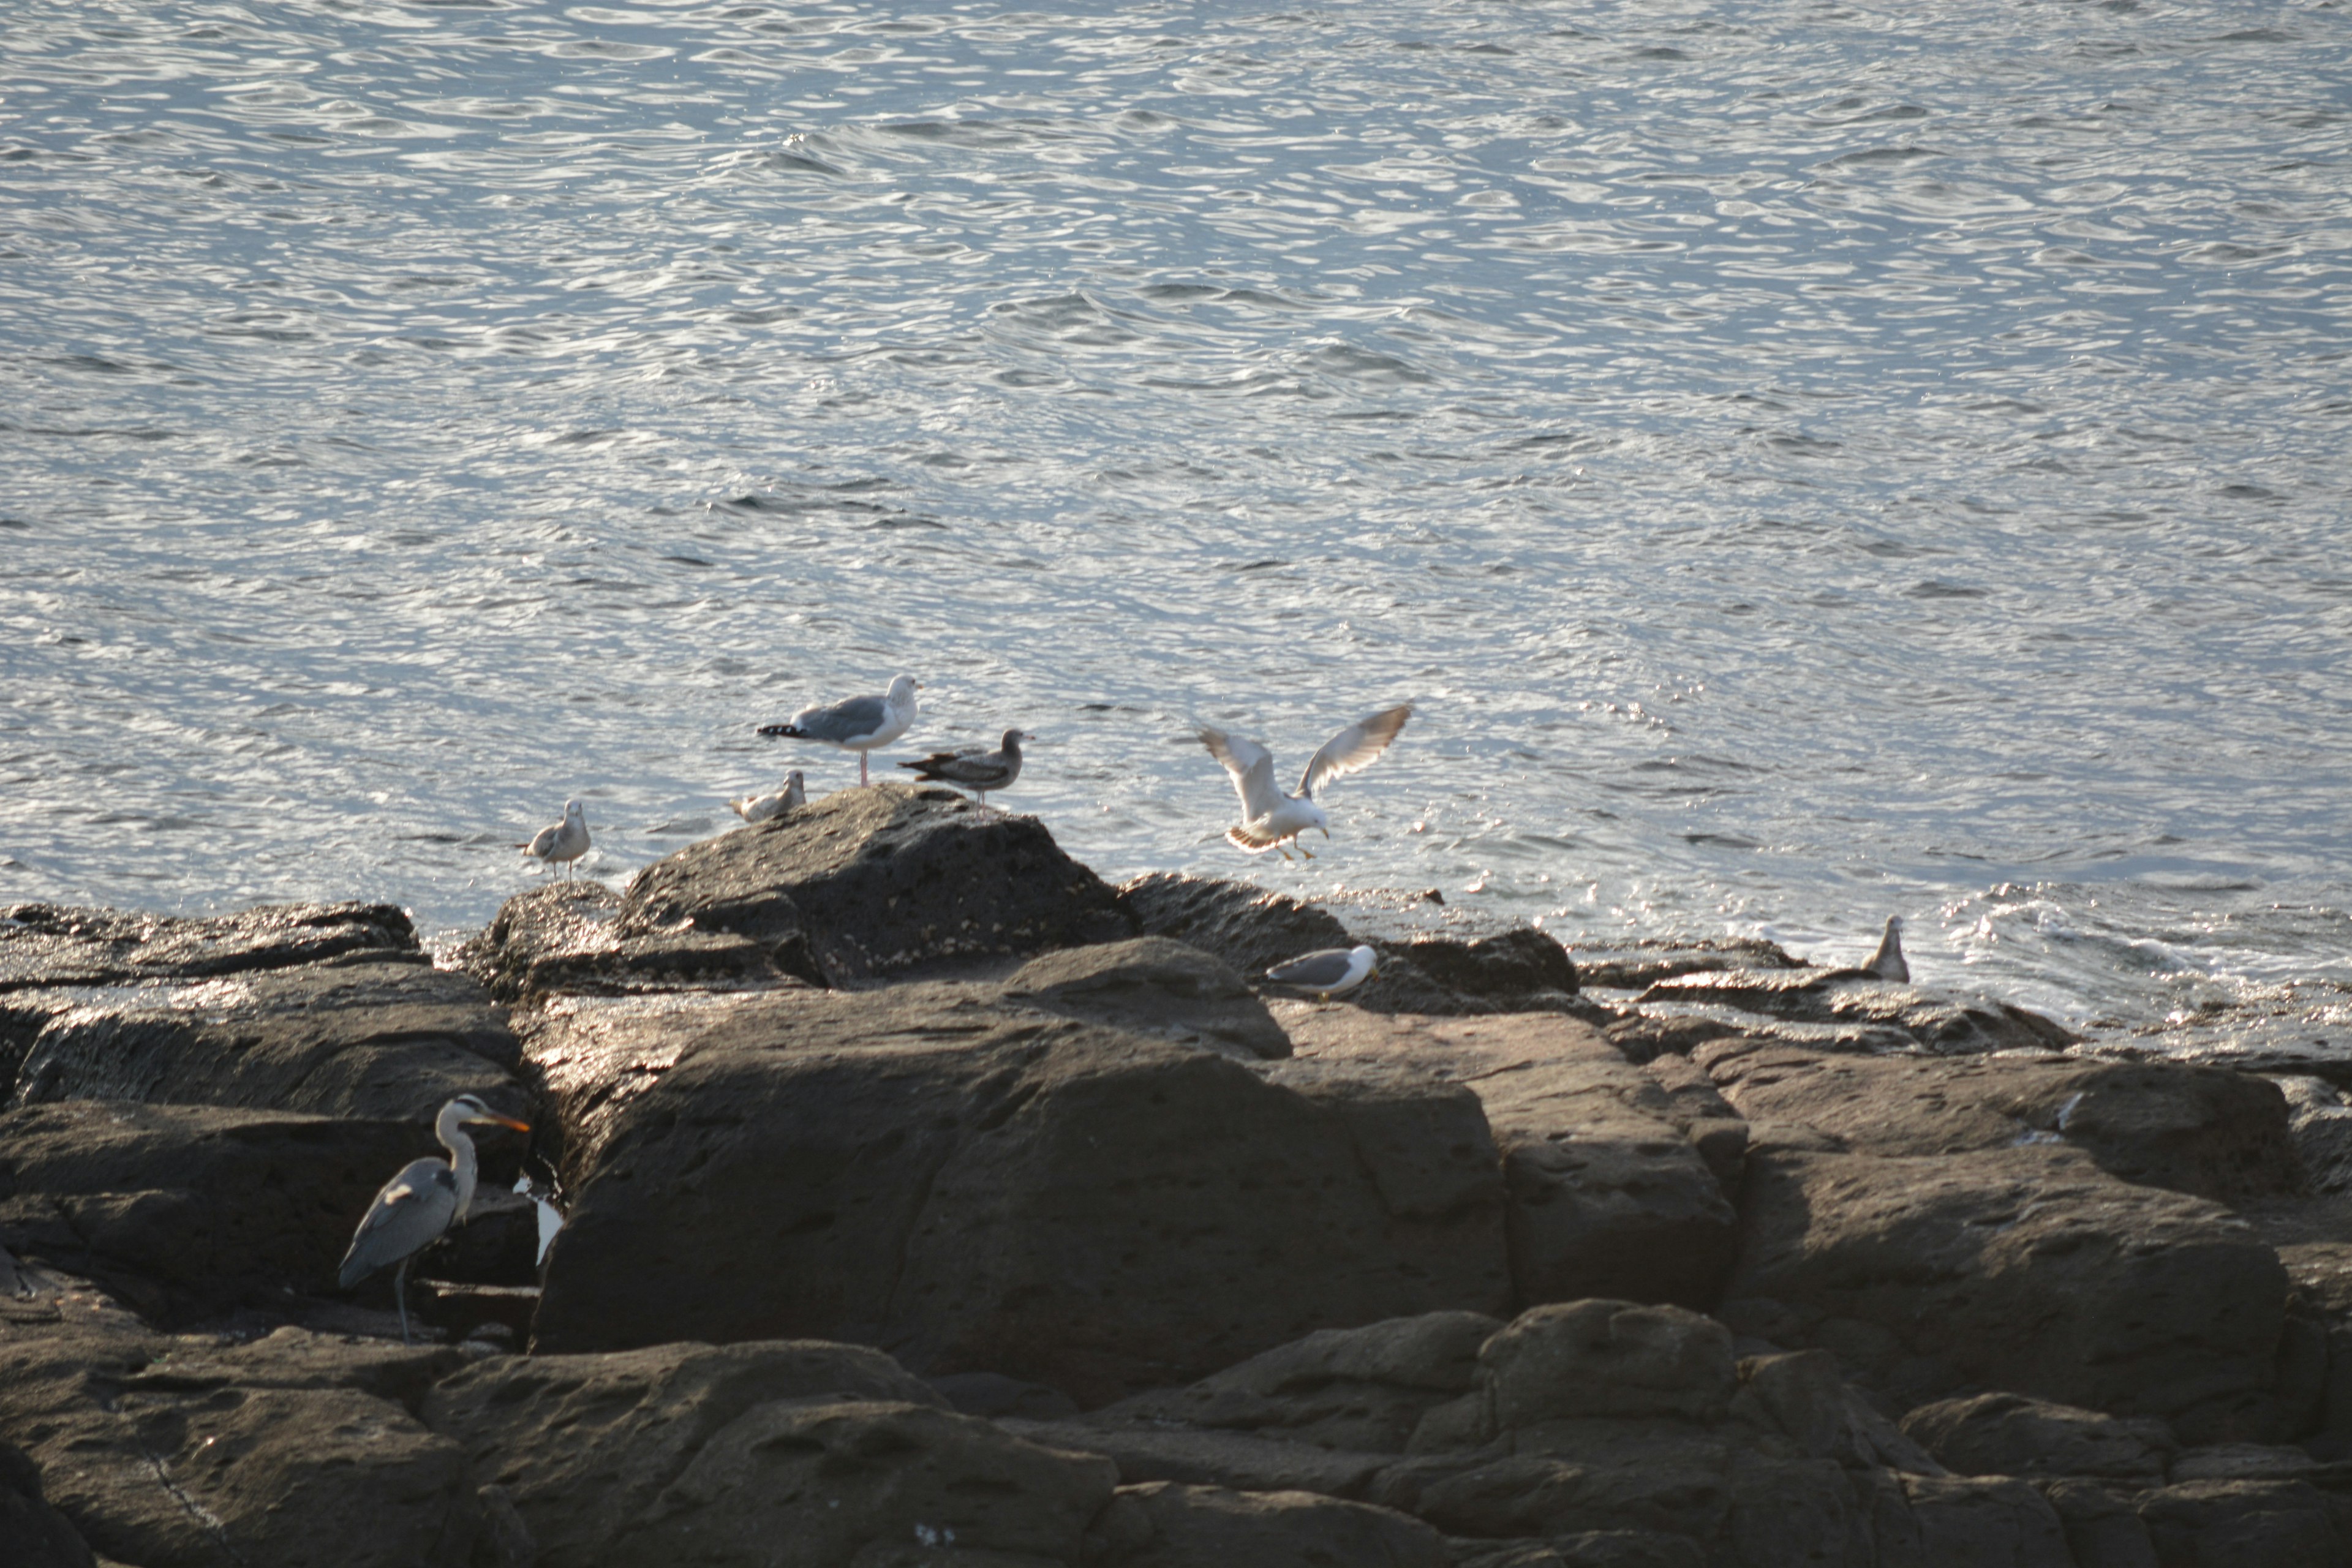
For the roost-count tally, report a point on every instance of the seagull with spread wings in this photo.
(1273, 820)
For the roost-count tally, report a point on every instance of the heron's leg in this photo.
(400, 1299)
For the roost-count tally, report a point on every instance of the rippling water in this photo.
(1805, 462)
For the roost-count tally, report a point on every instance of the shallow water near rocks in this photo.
(1804, 464)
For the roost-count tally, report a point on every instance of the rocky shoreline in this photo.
(927, 1200)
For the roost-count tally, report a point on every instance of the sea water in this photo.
(1803, 463)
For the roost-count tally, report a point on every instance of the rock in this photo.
(2013, 1435)
(796, 1453)
(498, 1245)
(1800, 1395)
(1514, 970)
(286, 1453)
(998, 1397)
(1249, 927)
(1163, 1524)
(2320, 1121)
(32, 1533)
(1213, 1458)
(1154, 985)
(1961, 1520)
(1608, 1196)
(1646, 962)
(1365, 1389)
(983, 1191)
(56, 946)
(2245, 1524)
(1851, 997)
(2207, 1131)
(385, 1038)
(2321, 1275)
(566, 937)
(1608, 1358)
(2258, 1462)
(872, 882)
(191, 1210)
(1715, 1128)
(2102, 1529)
(2026, 1268)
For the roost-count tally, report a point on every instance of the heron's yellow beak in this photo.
(501, 1120)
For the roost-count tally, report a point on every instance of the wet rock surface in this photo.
(567, 937)
(1154, 985)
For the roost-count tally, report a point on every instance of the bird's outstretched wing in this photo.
(1353, 748)
(1251, 766)
(415, 1207)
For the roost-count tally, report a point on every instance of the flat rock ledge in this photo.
(927, 1200)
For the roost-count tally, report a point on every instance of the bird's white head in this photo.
(573, 811)
(793, 781)
(1315, 818)
(1368, 957)
(902, 692)
(1894, 924)
(468, 1111)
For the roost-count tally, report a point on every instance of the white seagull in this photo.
(791, 795)
(564, 842)
(1887, 962)
(1271, 820)
(1330, 972)
(860, 724)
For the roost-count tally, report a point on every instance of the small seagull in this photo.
(564, 842)
(1887, 962)
(973, 768)
(1331, 971)
(790, 797)
(859, 724)
(1273, 820)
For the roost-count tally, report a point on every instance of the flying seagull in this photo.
(1271, 820)
(791, 795)
(417, 1206)
(1887, 962)
(1331, 971)
(860, 724)
(975, 769)
(560, 843)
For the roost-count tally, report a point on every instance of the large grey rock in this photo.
(1609, 1197)
(1248, 927)
(1852, 998)
(1578, 1359)
(2245, 1524)
(796, 1452)
(1958, 1520)
(191, 1210)
(2013, 1435)
(2102, 1529)
(2208, 1130)
(2026, 1268)
(1166, 1525)
(368, 1035)
(982, 1191)
(1154, 985)
(568, 937)
(874, 882)
(2320, 1120)
(296, 1450)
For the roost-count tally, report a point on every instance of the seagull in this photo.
(564, 842)
(860, 724)
(417, 1206)
(1887, 961)
(1271, 820)
(790, 797)
(1329, 973)
(975, 769)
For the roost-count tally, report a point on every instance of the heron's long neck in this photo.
(462, 1165)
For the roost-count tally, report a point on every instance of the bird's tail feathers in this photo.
(789, 731)
(1256, 843)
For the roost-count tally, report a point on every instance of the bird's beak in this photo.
(503, 1121)
(1327, 833)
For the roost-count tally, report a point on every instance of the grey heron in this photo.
(560, 843)
(417, 1206)
(975, 770)
(1888, 962)
(859, 724)
(790, 796)
(1328, 971)
(1273, 820)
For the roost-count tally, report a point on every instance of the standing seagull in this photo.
(760, 807)
(975, 769)
(564, 842)
(1887, 962)
(858, 725)
(1271, 820)
(1329, 972)
(418, 1205)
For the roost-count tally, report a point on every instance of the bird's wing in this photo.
(850, 721)
(1354, 748)
(415, 1207)
(1328, 967)
(542, 843)
(1251, 766)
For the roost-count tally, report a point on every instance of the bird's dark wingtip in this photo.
(785, 729)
